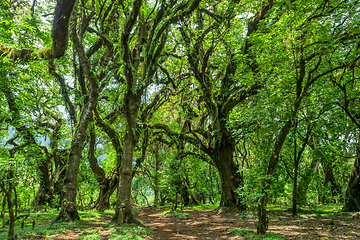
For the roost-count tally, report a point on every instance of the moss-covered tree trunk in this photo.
(230, 177)
(59, 35)
(106, 190)
(123, 211)
(68, 196)
(222, 156)
(108, 184)
(68, 210)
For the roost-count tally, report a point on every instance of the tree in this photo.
(310, 61)
(140, 58)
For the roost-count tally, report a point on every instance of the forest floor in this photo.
(197, 222)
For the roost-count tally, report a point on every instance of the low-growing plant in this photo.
(248, 233)
(245, 215)
(179, 214)
(130, 233)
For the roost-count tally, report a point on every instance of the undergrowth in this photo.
(175, 213)
(248, 233)
(85, 228)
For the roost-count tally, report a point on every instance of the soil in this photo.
(217, 224)
(199, 224)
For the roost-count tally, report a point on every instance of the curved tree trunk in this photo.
(97, 170)
(123, 210)
(109, 187)
(59, 35)
(68, 198)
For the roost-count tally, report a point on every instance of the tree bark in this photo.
(262, 225)
(230, 177)
(123, 211)
(137, 80)
(68, 199)
(108, 185)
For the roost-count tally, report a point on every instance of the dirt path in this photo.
(199, 224)
(202, 224)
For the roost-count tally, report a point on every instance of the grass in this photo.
(277, 208)
(165, 212)
(248, 233)
(45, 228)
(176, 213)
(205, 207)
(129, 232)
(202, 207)
(40, 230)
(246, 215)
(328, 210)
(182, 213)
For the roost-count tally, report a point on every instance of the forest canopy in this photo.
(111, 104)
